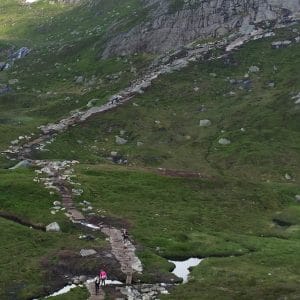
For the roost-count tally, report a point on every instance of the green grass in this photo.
(267, 149)
(242, 217)
(227, 218)
(77, 293)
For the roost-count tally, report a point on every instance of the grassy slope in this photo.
(230, 214)
(179, 218)
(65, 43)
(268, 148)
(23, 249)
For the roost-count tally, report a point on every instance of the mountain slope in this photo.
(200, 161)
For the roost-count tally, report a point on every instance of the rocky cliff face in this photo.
(173, 23)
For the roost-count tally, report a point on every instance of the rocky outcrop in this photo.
(168, 26)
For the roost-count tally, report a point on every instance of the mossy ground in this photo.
(234, 215)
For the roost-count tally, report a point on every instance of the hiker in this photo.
(103, 277)
(97, 285)
(125, 235)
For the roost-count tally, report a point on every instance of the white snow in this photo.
(90, 225)
(107, 282)
(182, 267)
(64, 290)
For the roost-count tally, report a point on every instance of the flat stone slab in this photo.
(87, 252)
(76, 215)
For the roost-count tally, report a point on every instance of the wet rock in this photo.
(53, 227)
(22, 52)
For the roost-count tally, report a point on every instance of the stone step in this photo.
(76, 215)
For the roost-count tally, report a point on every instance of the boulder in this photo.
(224, 141)
(287, 176)
(79, 79)
(120, 140)
(13, 81)
(254, 69)
(297, 198)
(53, 227)
(205, 123)
(82, 278)
(113, 153)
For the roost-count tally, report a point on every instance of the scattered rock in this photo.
(205, 123)
(82, 278)
(287, 176)
(87, 252)
(91, 103)
(254, 69)
(113, 153)
(53, 227)
(224, 141)
(13, 81)
(79, 79)
(281, 44)
(120, 140)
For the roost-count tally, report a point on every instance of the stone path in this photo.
(91, 288)
(124, 252)
(58, 176)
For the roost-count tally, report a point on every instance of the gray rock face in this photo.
(169, 27)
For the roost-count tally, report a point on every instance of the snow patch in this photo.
(64, 290)
(182, 267)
